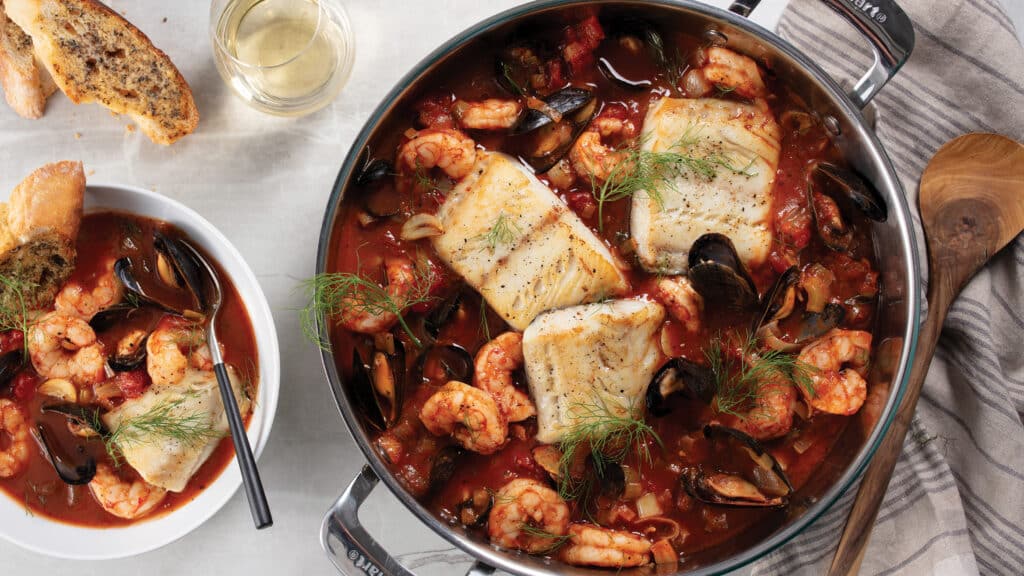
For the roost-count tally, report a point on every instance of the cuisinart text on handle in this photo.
(871, 9)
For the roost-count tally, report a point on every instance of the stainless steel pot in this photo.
(890, 33)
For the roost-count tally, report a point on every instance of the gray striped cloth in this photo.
(956, 501)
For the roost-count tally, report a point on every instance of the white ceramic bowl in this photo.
(45, 536)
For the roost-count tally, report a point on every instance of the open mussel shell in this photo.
(80, 415)
(814, 325)
(440, 316)
(450, 361)
(10, 363)
(112, 316)
(854, 188)
(778, 302)
(378, 385)
(473, 511)
(566, 101)
(129, 362)
(719, 275)
(753, 477)
(76, 469)
(374, 170)
(679, 376)
(182, 259)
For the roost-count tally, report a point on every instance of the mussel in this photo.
(79, 415)
(679, 375)
(112, 316)
(132, 358)
(379, 199)
(378, 386)
(564, 103)
(10, 363)
(443, 464)
(71, 472)
(779, 302)
(439, 317)
(449, 361)
(829, 189)
(176, 267)
(744, 474)
(473, 511)
(719, 275)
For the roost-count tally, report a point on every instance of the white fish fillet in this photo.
(167, 462)
(544, 258)
(591, 358)
(737, 205)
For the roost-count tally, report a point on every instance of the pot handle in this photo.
(348, 544)
(883, 23)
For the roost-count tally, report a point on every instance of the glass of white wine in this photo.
(284, 57)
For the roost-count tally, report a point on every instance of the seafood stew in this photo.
(605, 294)
(111, 410)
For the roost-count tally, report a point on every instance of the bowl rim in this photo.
(497, 558)
(167, 528)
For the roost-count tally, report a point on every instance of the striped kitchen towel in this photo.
(956, 501)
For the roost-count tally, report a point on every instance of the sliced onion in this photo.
(421, 226)
(647, 506)
(633, 487)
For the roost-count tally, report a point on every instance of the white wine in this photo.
(282, 55)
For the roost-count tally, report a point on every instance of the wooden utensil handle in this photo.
(876, 479)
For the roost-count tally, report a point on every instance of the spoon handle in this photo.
(875, 482)
(243, 453)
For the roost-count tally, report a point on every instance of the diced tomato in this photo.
(435, 112)
(582, 203)
(24, 385)
(11, 340)
(555, 75)
(133, 383)
(793, 224)
(581, 39)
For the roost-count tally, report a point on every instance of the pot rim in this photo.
(896, 197)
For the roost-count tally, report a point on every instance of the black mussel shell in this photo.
(612, 479)
(473, 511)
(565, 101)
(80, 415)
(777, 303)
(373, 170)
(112, 316)
(455, 360)
(386, 378)
(761, 483)
(440, 316)
(129, 362)
(679, 375)
(10, 363)
(186, 268)
(718, 274)
(856, 189)
(379, 200)
(361, 388)
(73, 473)
(814, 325)
(615, 76)
(443, 464)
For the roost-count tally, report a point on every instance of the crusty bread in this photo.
(25, 81)
(38, 233)
(95, 55)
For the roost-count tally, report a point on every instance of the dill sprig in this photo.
(485, 325)
(13, 310)
(332, 294)
(646, 171)
(161, 421)
(557, 540)
(610, 433)
(739, 382)
(503, 231)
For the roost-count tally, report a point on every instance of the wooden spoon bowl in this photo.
(972, 205)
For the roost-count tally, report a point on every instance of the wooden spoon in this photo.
(972, 205)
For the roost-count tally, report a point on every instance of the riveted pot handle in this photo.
(891, 34)
(349, 546)
(883, 23)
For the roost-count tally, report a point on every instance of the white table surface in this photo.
(264, 181)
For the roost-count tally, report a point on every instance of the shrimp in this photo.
(401, 278)
(734, 71)
(682, 300)
(13, 424)
(175, 345)
(492, 373)
(450, 150)
(63, 346)
(591, 545)
(772, 413)
(591, 157)
(75, 300)
(528, 516)
(838, 391)
(469, 414)
(490, 114)
(121, 498)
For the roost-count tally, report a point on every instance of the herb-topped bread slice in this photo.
(38, 231)
(26, 83)
(95, 55)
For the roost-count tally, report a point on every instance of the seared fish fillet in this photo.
(26, 82)
(586, 361)
(521, 247)
(167, 462)
(737, 205)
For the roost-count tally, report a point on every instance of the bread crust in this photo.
(95, 55)
(48, 200)
(25, 81)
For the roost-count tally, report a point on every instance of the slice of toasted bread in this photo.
(26, 83)
(38, 232)
(95, 55)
